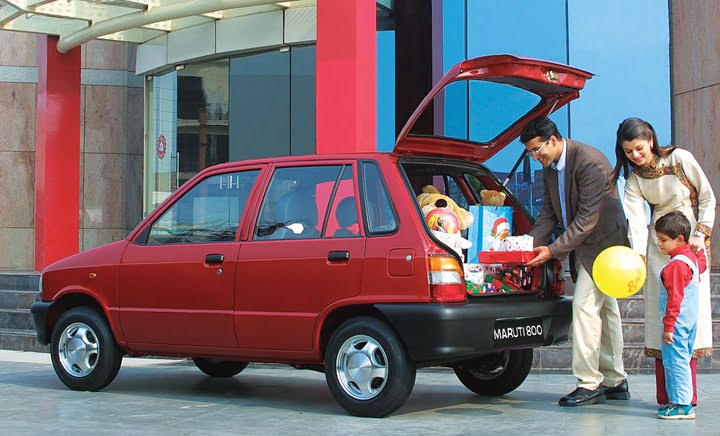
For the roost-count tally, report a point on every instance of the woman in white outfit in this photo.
(668, 179)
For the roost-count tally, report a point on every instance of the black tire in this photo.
(367, 369)
(219, 368)
(497, 374)
(84, 353)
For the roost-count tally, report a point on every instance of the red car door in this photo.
(304, 253)
(177, 278)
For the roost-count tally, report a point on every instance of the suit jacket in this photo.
(594, 214)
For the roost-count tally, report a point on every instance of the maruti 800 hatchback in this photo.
(322, 262)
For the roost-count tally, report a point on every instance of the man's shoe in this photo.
(619, 392)
(583, 397)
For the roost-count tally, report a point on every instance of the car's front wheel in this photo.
(84, 353)
(219, 368)
(497, 374)
(367, 369)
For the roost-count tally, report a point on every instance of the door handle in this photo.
(214, 259)
(338, 256)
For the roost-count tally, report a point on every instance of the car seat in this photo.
(346, 214)
(296, 207)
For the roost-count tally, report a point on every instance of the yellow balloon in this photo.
(619, 271)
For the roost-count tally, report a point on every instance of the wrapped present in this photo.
(505, 257)
(508, 279)
(491, 226)
(516, 276)
(474, 277)
(519, 243)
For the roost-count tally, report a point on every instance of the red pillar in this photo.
(346, 75)
(57, 153)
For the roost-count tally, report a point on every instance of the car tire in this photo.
(84, 353)
(498, 375)
(367, 368)
(219, 368)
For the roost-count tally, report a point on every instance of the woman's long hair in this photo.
(629, 130)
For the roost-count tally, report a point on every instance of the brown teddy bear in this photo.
(491, 197)
(430, 195)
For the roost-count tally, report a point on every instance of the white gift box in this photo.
(519, 243)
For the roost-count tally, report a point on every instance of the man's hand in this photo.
(667, 338)
(542, 255)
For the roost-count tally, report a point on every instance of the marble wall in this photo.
(111, 146)
(695, 44)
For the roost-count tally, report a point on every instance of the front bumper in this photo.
(437, 333)
(39, 312)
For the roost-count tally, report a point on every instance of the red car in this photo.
(322, 262)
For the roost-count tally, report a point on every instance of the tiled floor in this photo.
(152, 396)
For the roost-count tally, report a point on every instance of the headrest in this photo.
(298, 206)
(346, 212)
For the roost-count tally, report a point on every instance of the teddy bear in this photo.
(491, 197)
(430, 195)
(445, 225)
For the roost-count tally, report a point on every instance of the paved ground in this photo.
(153, 396)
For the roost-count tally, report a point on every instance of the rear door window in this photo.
(379, 213)
(296, 202)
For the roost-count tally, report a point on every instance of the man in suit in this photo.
(579, 202)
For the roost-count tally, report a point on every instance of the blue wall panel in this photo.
(526, 28)
(385, 90)
(627, 45)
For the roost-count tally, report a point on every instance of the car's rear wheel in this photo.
(219, 368)
(84, 353)
(497, 374)
(367, 369)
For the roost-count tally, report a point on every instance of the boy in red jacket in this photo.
(678, 305)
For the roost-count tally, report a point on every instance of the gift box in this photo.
(505, 257)
(519, 243)
(508, 279)
(491, 226)
(474, 277)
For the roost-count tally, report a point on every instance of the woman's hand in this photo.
(697, 243)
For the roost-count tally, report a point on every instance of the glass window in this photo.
(342, 220)
(493, 107)
(202, 112)
(209, 212)
(160, 166)
(269, 97)
(302, 100)
(379, 213)
(296, 202)
(260, 114)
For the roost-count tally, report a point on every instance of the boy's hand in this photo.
(667, 338)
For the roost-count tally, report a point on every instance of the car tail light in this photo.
(446, 279)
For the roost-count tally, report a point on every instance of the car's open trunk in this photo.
(487, 271)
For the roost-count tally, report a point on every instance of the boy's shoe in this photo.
(677, 411)
(663, 407)
(619, 392)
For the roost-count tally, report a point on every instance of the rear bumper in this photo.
(39, 312)
(437, 333)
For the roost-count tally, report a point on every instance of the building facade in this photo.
(152, 115)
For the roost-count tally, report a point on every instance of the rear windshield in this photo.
(477, 110)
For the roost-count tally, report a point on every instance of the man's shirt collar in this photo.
(560, 164)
